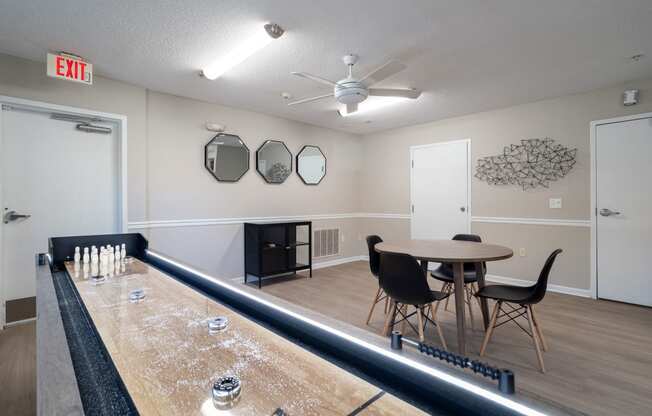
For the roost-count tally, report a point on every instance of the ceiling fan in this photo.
(351, 91)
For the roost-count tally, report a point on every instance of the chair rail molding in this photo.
(533, 221)
(136, 225)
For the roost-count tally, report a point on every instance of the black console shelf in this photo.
(271, 248)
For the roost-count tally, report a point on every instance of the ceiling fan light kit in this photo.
(351, 91)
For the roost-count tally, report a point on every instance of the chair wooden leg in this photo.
(433, 312)
(449, 287)
(537, 325)
(420, 322)
(476, 290)
(373, 305)
(490, 329)
(535, 338)
(470, 304)
(389, 320)
(386, 303)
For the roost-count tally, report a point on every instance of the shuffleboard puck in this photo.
(226, 392)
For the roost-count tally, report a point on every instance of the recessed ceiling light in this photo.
(258, 40)
(371, 104)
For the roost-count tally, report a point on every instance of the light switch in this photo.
(554, 203)
(521, 252)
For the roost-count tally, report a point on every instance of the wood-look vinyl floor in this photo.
(18, 370)
(600, 356)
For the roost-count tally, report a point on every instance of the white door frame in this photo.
(594, 192)
(469, 175)
(120, 120)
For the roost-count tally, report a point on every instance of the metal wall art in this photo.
(533, 163)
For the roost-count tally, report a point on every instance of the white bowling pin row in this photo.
(108, 254)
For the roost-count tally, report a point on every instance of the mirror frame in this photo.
(325, 165)
(213, 173)
(257, 160)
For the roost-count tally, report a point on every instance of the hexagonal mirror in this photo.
(311, 165)
(226, 157)
(274, 161)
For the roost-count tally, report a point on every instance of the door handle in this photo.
(463, 209)
(606, 212)
(13, 216)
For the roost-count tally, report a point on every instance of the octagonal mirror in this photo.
(274, 161)
(226, 157)
(311, 165)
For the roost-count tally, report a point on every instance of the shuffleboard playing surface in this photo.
(167, 359)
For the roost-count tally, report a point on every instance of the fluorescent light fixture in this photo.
(258, 40)
(371, 104)
(431, 371)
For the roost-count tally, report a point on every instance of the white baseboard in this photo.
(22, 321)
(584, 293)
(338, 261)
(320, 265)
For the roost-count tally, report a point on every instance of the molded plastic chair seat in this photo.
(436, 296)
(406, 283)
(525, 298)
(513, 294)
(445, 274)
(374, 267)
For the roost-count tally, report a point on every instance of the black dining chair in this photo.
(406, 284)
(444, 273)
(520, 300)
(374, 266)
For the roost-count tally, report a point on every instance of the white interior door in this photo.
(66, 180)
(624, 205)
(440, 190)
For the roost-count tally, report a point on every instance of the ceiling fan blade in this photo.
(314, 78)
(308, 100)
(393, 92)
(387, 70)
(351, 108)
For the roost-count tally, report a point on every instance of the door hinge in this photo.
(412, 163)
(5, 107)
(413, 209)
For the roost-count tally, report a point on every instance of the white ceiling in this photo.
(466, 56)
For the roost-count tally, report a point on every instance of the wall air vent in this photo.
(326, 242)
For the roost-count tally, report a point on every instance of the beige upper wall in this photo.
(565, 119)
(181, 188)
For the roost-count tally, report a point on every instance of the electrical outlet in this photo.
(521, 252)
(554, 203)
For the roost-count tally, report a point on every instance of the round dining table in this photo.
(455, 253)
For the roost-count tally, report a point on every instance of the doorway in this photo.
(61, 174)
(622, 202)
(440, 189)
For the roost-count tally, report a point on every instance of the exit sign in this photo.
(69, 67)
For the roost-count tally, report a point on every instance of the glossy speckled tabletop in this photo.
(167, 359)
